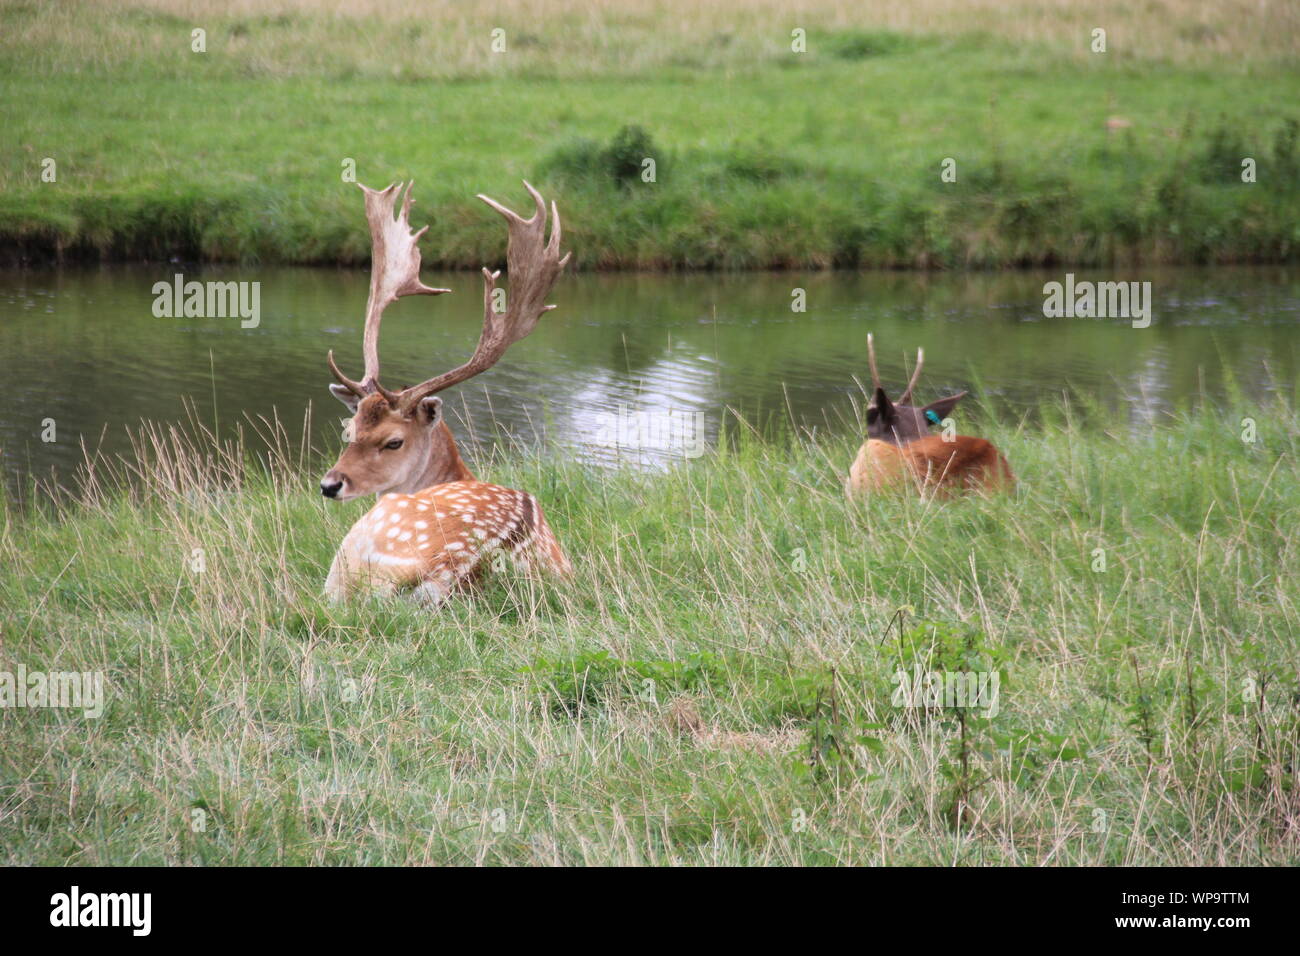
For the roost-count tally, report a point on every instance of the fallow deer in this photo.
(900, 449)
(434, 523)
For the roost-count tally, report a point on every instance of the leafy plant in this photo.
(862, 44)
(585, 161)
(985, 743)
(1273, 707)
(589, 680)
(1141, 712)
(626, 152)
(829, 751)
(1224, 151)
(1286, 156)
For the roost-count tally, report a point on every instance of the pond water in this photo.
(625, 359)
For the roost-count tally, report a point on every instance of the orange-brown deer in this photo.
(434, 523)
(900, 449)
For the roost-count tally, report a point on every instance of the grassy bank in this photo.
(763, 157)
(714, 685)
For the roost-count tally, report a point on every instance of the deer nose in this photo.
(330, 488)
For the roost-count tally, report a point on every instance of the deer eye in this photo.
(394, 443)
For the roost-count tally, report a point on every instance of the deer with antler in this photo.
(434, 523)
(900, 449)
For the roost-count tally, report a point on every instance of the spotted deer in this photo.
(900, 449)
(434, 523)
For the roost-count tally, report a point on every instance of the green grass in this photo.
(769, 615)
(764, 158)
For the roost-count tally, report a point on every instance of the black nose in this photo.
(330, 489)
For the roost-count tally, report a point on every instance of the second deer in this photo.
(434, 522)
(900, 449)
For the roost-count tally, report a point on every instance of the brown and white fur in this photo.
(435, 525)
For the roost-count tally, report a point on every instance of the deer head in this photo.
(898, 422)
(397, 441)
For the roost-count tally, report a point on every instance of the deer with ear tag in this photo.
(900, 449)
(434, 522)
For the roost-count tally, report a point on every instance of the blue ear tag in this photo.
(932, 417)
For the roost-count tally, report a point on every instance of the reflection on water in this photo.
(84, 350)
(665, 412)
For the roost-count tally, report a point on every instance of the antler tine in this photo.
(513, 217)
(916, 375)
(354, 387)
(533, 265)
(553, 246)
(871, 358)
(394, 272)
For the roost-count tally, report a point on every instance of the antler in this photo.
(875, 375)
(394, 272)
(533, 264)
(871, 357)
(916, 375)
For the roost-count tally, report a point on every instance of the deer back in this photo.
(960, 464)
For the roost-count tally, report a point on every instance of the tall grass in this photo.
(568, 38)
(766, 158)
(713, 686)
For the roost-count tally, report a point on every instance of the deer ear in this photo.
(430, 410)
(937, 411)
(883, 408)
(346, 396)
